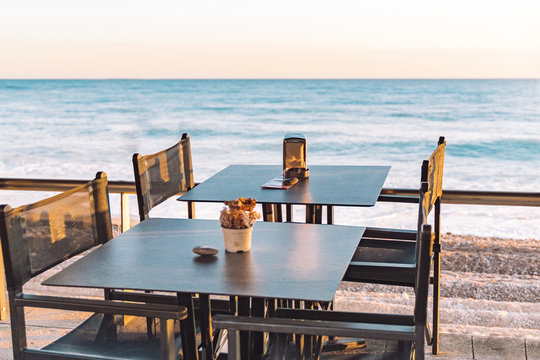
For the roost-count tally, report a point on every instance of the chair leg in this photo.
(166, 329)
(436, 278)
(278, 214)
(436, 306)
(206, 323)
(18, 327)
(187, 327)
(419, 347)
(233, 345)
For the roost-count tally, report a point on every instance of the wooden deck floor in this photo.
(46, 325)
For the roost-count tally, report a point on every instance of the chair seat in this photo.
(383, 261)
(132, 341)
(385, 251)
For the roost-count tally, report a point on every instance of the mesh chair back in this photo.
(41, 235)
(431, 182)
(430, 187)
(432, 173)
(164, 174)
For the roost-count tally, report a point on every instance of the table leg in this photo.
(298, 338)
(313, 214)
(244, 310)
(318, 214)
(310, 214)
(267, 212)
(329, 214)
(191, 209)
(233, 308)
(289, 212)
(257, 338)
(309, 341)
(272, 305)
(206, 327)
(188, 330)
(107, 329)
(168, 350)
(278, 215)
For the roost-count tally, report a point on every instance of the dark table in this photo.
(286, 261)
(327, 185)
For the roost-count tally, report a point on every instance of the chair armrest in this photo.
(376, 265)
(217, 305)
(314, 327)
(345, 316)
(399, 198)
(143, 297)
(162, 311)
(381, 273)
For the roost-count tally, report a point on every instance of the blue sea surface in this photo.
(73, 128)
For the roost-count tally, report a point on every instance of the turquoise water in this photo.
(73, 128)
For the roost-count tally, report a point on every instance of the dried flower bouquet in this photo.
(239, 214)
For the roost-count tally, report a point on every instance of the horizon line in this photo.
(255, 79)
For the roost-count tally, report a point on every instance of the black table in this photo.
(286, 261)
(327, 185)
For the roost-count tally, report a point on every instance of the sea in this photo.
(70, 129)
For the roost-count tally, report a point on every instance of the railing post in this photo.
(125, 219)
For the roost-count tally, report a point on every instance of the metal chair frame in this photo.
(14, 238)
(408, 330)
(403, 273)
(174, 179)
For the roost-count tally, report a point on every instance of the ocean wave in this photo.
(72, 128)
(515, 149)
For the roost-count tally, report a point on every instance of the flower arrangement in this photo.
(239, 214)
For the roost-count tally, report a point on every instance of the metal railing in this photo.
(458, 197)
(124, 188)
(475, 197)
(119, 187)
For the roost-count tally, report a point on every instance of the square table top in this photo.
(339, 185)
(287, 260)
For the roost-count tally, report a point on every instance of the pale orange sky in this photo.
(281, 39)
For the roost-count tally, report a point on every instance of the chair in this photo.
(407, 330)
(158, 177)
(37, 237)
(162, 175)
(387, 256)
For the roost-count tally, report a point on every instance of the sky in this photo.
(274, 39)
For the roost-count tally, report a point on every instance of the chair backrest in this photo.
(423, 265)
(430, 187)
(432, 175)
(41, 235)
(163, 174)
